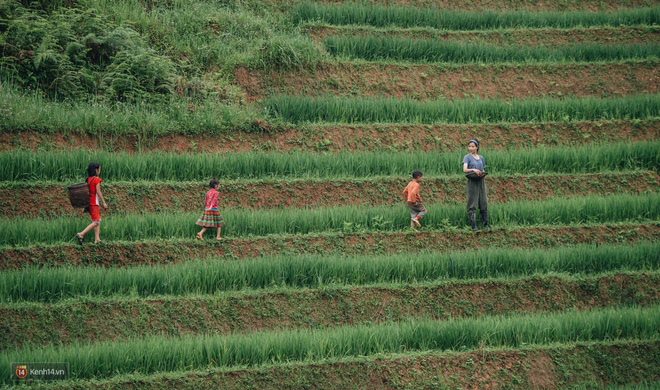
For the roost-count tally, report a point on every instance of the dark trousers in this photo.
(476, 196)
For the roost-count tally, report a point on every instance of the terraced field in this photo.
(313, 116)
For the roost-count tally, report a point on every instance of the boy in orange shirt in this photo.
(411, 193)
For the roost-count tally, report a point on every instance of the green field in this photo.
(26, 166)
(214, 275)
(313, 115)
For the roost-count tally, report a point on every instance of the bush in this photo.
(137, 74)
(78, 54)
(282, 52)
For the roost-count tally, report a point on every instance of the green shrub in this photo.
(136, 74)
(80, 54)
(281, 53)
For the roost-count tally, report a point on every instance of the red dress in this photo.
(92, 182)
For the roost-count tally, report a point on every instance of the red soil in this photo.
(594, 365)
(122, 255)
(19, 201)
(433, 82)
(351, 138)
(94, 322)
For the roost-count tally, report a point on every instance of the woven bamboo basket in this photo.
(79, 195)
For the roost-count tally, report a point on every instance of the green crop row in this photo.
(595, 175)
(301, 109)
(246, 223)
(548, 38)
(644, 385)
(434, 51)
(21, 111)
(400, 16)
(315, 271)
(30, 111)
(71, 166)
(160, 354)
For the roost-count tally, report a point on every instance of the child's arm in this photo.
(100, 194)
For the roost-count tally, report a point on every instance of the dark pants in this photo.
(477, 198)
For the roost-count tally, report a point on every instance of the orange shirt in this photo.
(411, 193)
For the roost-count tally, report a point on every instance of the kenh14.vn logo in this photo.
(21, 371)
(31, 371)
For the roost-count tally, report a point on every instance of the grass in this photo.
(67, 166)
(433, 51)
(29, 111)
(152, 355)
(549, 38)
(302, 109)
(200, 41)
(212, 34)
(635, 386)
(106, 89)
(638, 386)
(212, 276)
(247, 223)
(144, 187)
(87, 318)
(400, 16)
(205, 40)
(628, 365)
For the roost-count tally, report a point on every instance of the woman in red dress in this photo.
(95, 196)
